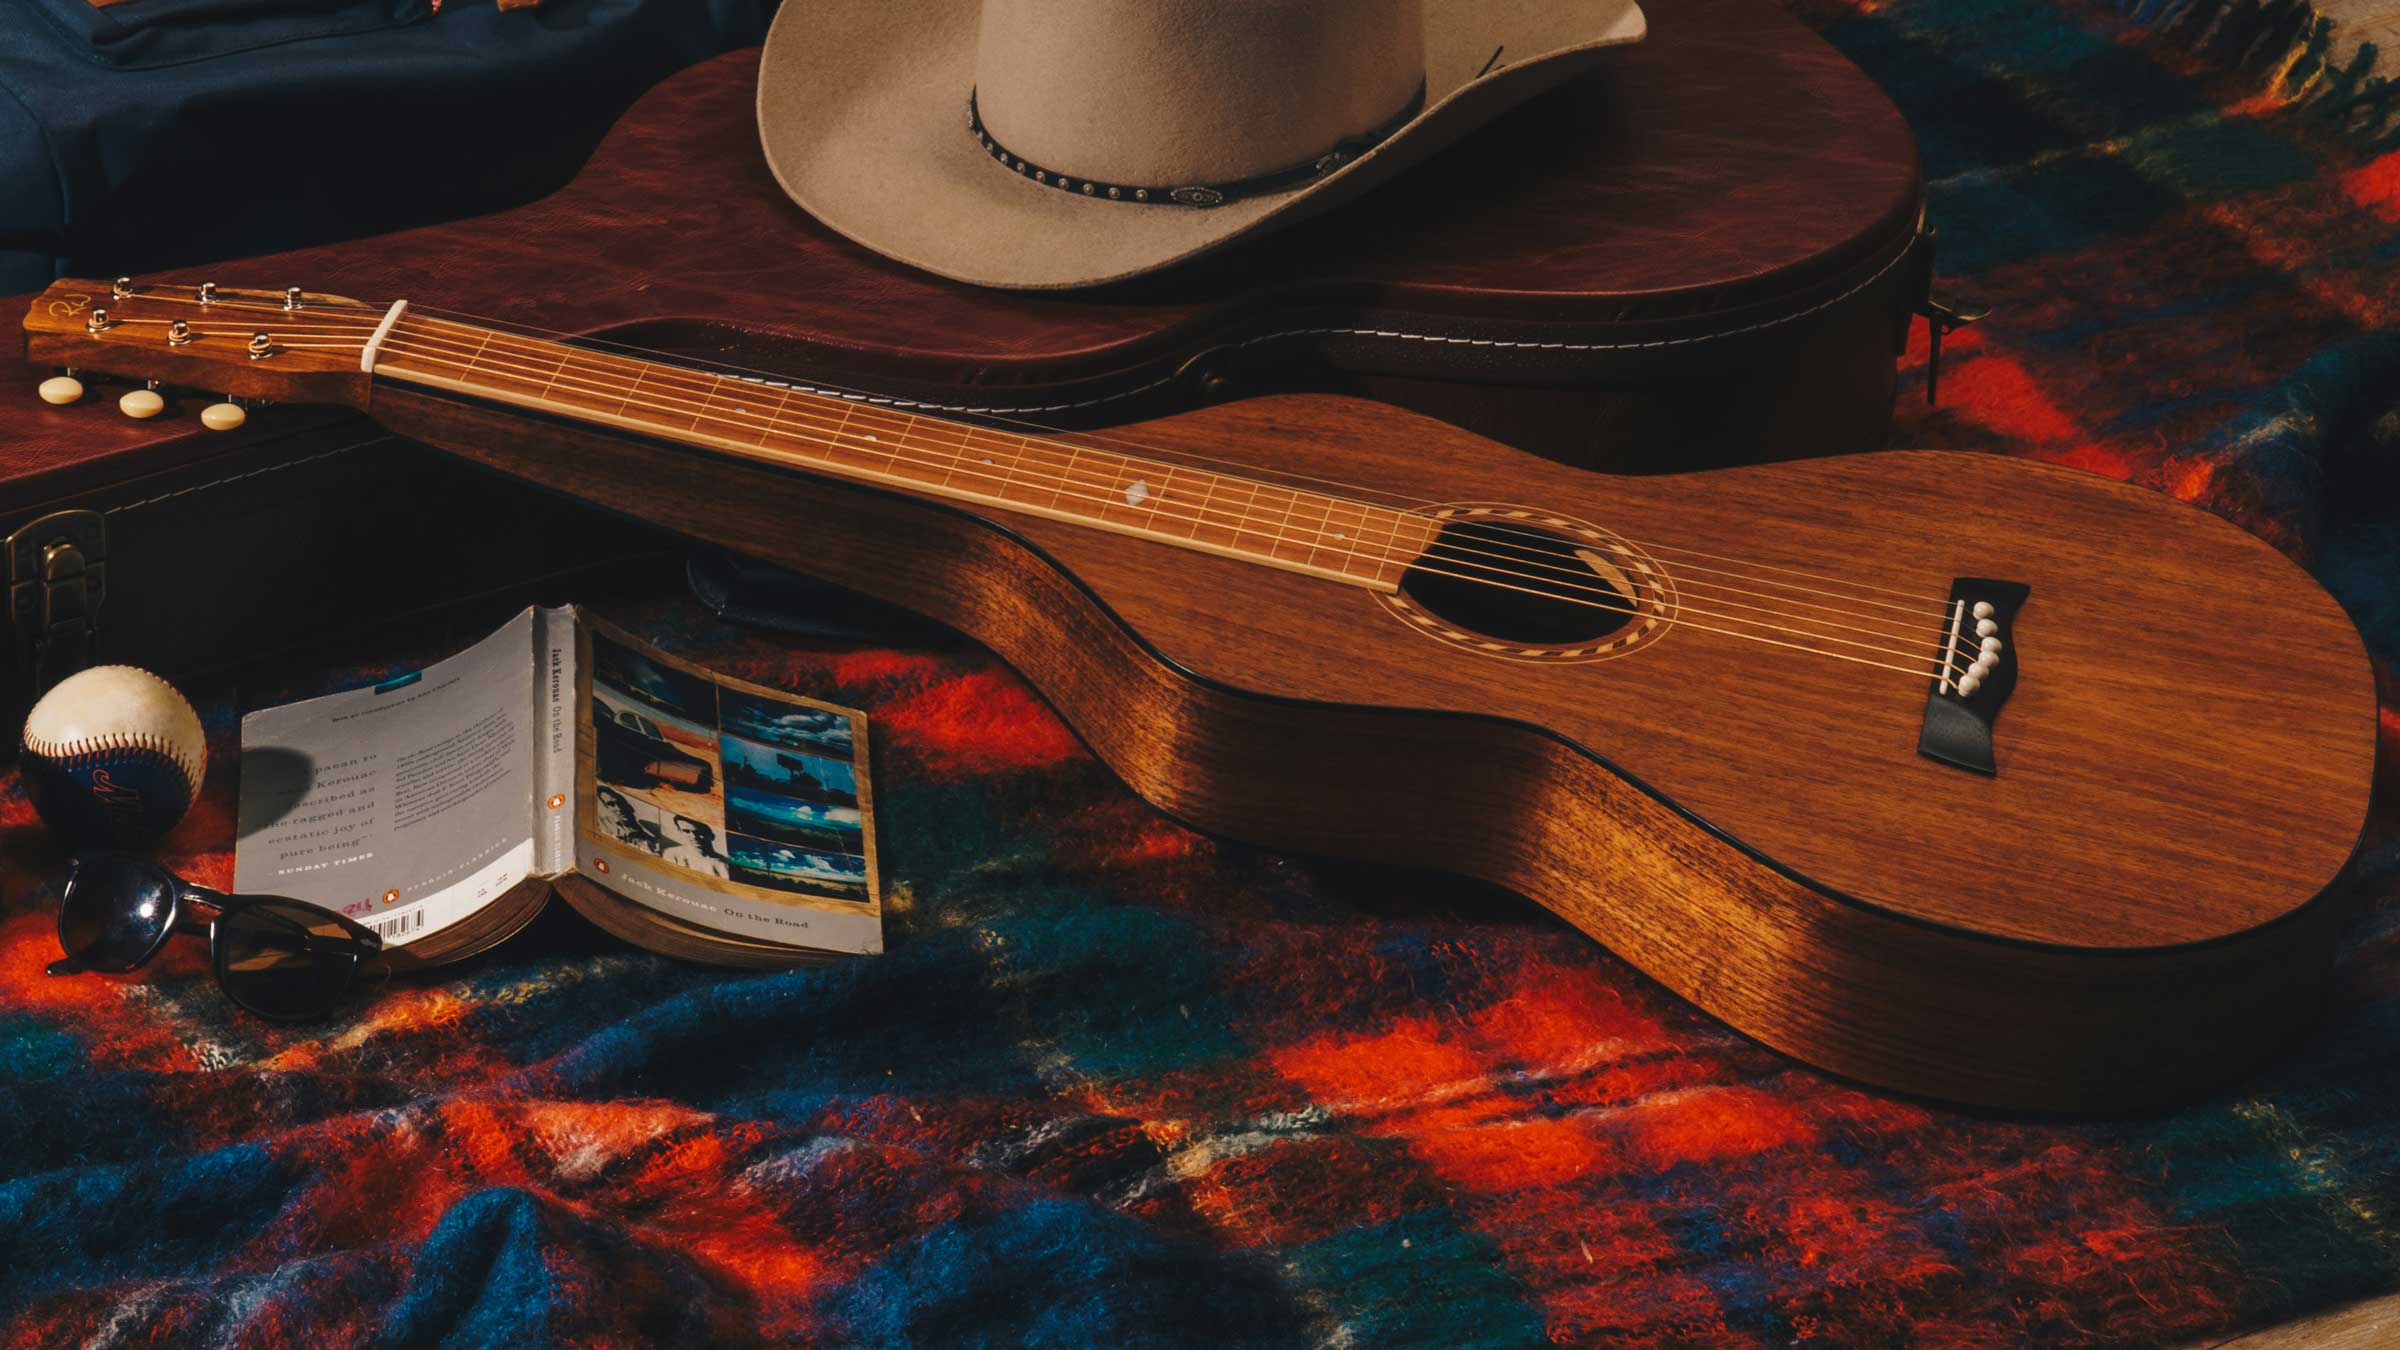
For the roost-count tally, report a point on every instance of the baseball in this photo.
(112, 755)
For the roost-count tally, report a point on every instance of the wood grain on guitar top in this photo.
(2122, 912)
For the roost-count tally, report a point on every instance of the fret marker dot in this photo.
(866, 438)
(1137, 492)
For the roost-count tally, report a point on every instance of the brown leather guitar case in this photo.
(1708, 251)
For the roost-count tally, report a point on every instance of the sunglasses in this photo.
(278, 958)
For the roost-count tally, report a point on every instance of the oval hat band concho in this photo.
(1201, 195)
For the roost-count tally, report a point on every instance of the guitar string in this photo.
(1526, 556)
(685, 366)
(861, 398)
(1247, 524)
(1616, 603)
(1613, 603)
(566, 352)
(1573, 580)
(561, 356)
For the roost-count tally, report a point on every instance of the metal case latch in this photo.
(57, 577)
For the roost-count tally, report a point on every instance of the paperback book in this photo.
(684, 811)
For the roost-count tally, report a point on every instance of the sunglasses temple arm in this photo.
(366, 939)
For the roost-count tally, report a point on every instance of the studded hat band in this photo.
(1196, 194)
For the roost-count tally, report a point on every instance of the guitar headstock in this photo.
(289, 346)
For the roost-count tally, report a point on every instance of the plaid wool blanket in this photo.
(1119, 1084)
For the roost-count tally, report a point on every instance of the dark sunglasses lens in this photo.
(285, 960)
(114, 911)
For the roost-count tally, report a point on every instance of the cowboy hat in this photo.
(1049, 143)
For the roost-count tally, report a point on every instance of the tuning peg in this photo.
(141, 404)
(61, 390)
(291, 297)
(206, 293)
(122, 288)
(223, 416)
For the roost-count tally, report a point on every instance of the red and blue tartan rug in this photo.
(1119, 1084)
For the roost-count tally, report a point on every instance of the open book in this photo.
(693, 814)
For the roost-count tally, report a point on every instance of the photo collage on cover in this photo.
(725, 783)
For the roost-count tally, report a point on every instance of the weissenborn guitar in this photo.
(1966, 776)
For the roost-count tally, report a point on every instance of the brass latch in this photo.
(57, 577)
(1942, 314)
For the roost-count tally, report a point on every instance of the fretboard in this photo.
(1174, 503)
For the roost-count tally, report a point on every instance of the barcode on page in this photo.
(399, 925)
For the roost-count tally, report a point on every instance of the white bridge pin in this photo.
(1991, 646)
(1986, 628)
(1982, 610)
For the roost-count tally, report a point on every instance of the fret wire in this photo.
(774, 419)
(1318, 537)
(635, 388)
(891, 456)
(1276, 540)
(966, 447)
(1074, 454)
(1171, 492)
(1017, 482)
(1008, 476)
(487, 341)
(834, 443)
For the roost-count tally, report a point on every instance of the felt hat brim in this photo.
(862, 109)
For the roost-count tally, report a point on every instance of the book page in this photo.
(725, 804)
(407, 805)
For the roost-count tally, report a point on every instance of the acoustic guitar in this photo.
(1959, 775)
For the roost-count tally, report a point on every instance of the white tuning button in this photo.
(61, 390)
(223, 416)
(141, 403)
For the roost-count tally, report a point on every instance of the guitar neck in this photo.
(866, 441)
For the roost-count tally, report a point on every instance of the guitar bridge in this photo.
(1975, 670)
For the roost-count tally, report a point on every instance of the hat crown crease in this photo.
(1191, 91)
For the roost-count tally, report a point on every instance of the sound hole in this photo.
(1520, 584)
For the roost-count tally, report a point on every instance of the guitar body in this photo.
(2122, 913)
